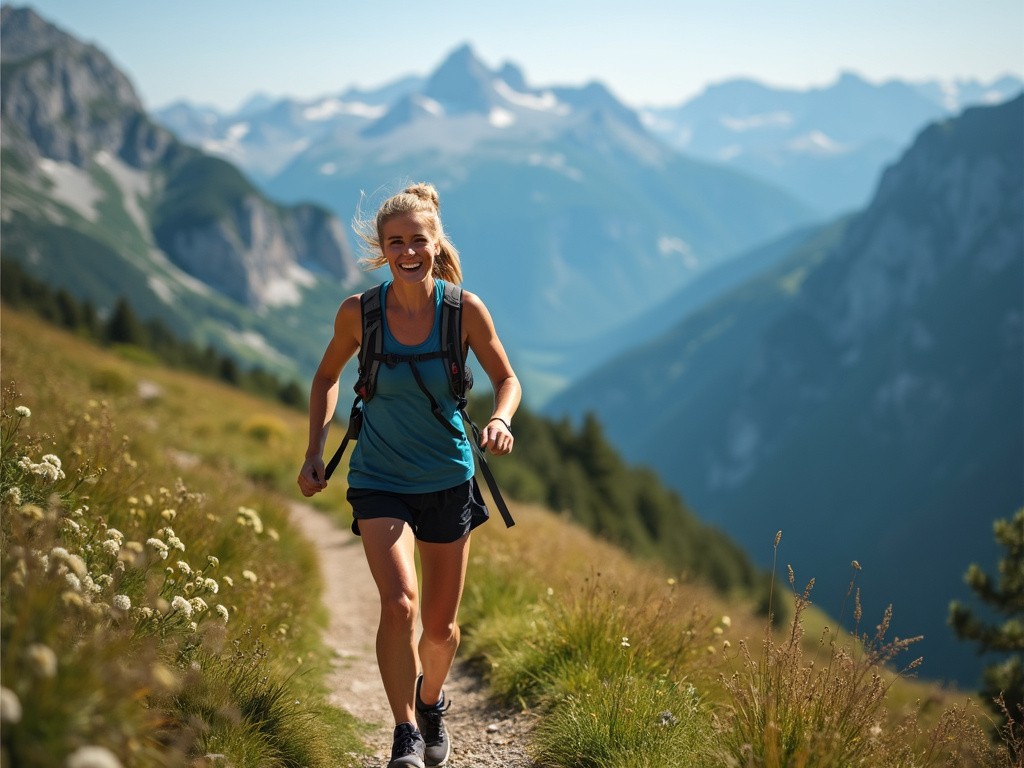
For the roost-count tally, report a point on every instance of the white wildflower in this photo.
(92, 757)
(169, 514)
(159, 546)
(103, 581)
(10, 705)
(228, 580)
(213, 561)
(625, 642)
(74, 581)
(180, 604)
(222, 612)
(111, 547)
(211, 586)
(116, 535)
(175, 542)
(122, 602)
(24, 412)
(249, 576)
(726, 621)
(42, 660)
(192, 626)
(184, 568)
(198, 604)
(14, 495)
(251, 518)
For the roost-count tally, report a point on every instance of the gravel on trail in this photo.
(483, 735)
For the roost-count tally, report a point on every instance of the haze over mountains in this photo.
(855, 381)
(864, 393)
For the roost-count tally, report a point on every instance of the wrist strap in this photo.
(498, 418)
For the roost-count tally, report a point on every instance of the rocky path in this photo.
(483, 736)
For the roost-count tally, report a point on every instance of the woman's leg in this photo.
(390, 551)
(444, 575)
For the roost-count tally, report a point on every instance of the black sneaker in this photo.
(430, 720)
(407, 750)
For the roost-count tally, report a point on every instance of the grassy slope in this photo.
(544, 601)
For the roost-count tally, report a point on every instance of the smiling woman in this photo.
(410, 477)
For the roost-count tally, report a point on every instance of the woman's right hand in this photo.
(311, 476)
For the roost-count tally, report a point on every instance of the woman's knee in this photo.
(440, 631)
(399, 608)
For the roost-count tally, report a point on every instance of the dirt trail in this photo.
(483, 736)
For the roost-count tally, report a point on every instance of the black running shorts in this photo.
(439, 517)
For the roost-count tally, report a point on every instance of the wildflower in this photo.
(122, 602)
(175, 542)
(111, 547)
(671, 581)
(251, 518)
(228, 580)
(24, 413)
(103, 581)
(42, 660)
(169, 514)
(74, 581)
(143, 613)
(10, 705)
(222, 612)
(184, 568)
(273, 534)
(551, 592)
(14, 496)
(717, 630)
(211, 586)
(625, 642)
(159, 546)
(726, 645)
(213, 561)
(32, 511)
(249, 575)
(116, 535)
(180, 604)
(726, 621)
(50, 468)
(198, 604)
(192, 626)
(92, 757)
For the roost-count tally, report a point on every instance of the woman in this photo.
(411, 479)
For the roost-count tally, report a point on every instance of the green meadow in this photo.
(157, 609)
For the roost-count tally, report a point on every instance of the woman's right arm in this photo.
(323, 393)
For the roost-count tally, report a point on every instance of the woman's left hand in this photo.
(496, 438)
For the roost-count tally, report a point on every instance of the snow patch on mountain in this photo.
(669, 245)
(72, 187)
(501, 118)
(779, 119)
(541, 102)
(133, 183)
(332, 107)
(817, 143)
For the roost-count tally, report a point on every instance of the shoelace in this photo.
(433, 716)
(405, 744)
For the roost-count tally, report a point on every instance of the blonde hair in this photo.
(416, 198)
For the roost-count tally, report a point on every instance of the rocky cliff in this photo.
(76, 138)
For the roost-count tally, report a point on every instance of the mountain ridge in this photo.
(864, 391)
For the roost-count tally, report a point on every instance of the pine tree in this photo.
(124, 327)
(1006, 598)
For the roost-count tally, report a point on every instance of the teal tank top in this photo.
(402, 447)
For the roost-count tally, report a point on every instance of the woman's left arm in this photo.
(478, 328)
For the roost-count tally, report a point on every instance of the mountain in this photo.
(264, 134)
(863, 394)
(559, 200)
(827, 146)
(101, 200)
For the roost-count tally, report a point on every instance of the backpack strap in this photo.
(372, 345)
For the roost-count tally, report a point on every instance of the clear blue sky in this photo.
(649, 52)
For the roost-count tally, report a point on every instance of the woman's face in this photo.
(410, 244)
